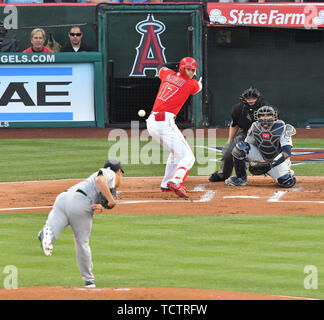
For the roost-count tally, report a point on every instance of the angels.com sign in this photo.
(266, 15)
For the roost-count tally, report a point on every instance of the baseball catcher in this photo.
(267, 148)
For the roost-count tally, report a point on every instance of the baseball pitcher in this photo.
(268, 149)
(174, 90)
(75, 207)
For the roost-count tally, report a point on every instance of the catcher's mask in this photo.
(266, 116)
(250, 93)
(187, 63)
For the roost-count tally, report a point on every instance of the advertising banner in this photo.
(47, 92)
(309, 16)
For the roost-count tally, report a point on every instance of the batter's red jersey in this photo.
(174, 91)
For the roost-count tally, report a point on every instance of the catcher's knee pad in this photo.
(286, 181)
(241, 150)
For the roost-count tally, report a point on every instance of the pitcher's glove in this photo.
(258, 168)
(104, 202)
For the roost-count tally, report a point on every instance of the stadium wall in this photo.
(284, 62)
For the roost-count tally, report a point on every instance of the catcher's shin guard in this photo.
(240, 168)
(286, 181)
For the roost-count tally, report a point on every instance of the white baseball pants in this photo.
(276, 172)
(181, 158)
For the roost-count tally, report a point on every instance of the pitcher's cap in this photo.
(114, 165)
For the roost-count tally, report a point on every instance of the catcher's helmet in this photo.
(266, 110)
(114, 165)
(250, 93)
(188, 63)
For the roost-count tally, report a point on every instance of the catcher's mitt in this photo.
(258, 168)
(104, 202)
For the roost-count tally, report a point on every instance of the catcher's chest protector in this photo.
(268, 141)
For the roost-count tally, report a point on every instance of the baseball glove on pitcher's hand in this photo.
(258, 168)
(104, 202)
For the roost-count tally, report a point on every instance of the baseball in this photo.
(141, 113)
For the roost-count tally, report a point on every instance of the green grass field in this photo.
(261, 254)
(41, 159)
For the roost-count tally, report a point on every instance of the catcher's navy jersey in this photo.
(269, 141)
(89, 185)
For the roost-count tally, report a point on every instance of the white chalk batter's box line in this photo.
(279, 194)
(276, 197)
(207, 196)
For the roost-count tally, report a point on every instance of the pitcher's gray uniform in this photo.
(268, 139)
(73, 207)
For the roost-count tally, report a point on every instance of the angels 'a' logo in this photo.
(150, 52)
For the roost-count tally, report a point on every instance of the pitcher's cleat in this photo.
(45, 236)
(89, 284)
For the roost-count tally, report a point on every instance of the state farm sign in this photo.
(276, 15)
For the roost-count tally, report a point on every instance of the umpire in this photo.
(242, 118)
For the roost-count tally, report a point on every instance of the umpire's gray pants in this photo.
(227, 163)
(74, 209)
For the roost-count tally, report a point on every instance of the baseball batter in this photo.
(75, 207)
(174, 90)
(268, 140)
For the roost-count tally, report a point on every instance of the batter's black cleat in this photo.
(216, 177)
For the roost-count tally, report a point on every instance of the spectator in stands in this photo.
(75, 44)
(37, 39)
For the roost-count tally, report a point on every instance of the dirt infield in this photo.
(142, 195)
(62, 293)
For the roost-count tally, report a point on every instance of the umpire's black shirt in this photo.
(243, 115)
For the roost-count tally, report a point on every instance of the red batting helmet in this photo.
(188, 63)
